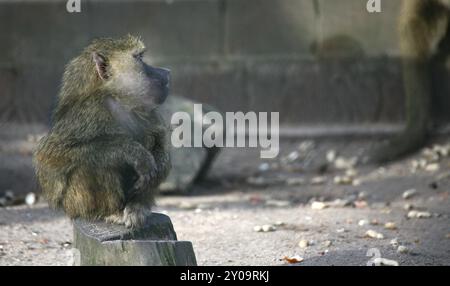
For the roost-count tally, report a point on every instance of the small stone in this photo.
(351, 172)
(402, 249)
(356, 182)
(343, 180)
(390, 226)
(306, 146)
(432, 167)
(293, 259)
(418, 214)
(277, 203)
(331, 156)
(344, 163)
(385, 262)
(374, 222)
(257, 228)
(3, 202)
(264, 167)
(360, 204)
(318, 205)
(362, 195)
(394, 242)
(363, 222)
(187, 206)
(30, 199)
(303, 243)
(268, 228)
(327, 243)
(295, 181)
(409, 194)
(318, 180)
(408, 207)
(280, 223)
(293, 156)
(373, 234)
(341, 230)
(447, 236)
(340, 203)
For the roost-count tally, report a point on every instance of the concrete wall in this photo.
(234, 54)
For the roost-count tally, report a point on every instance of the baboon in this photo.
(423, 35)
(107, 150)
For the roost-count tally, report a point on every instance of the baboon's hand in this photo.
(147, 172)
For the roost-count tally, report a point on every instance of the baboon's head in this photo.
(116, 66)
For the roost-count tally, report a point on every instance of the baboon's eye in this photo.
(139, 56)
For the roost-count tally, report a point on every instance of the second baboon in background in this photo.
(423, 36)
(107, 150)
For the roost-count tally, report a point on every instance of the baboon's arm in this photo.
(118, 152)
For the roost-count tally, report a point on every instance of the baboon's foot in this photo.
(134, 215)
(115, 219)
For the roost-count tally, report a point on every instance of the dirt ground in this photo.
(310, 203)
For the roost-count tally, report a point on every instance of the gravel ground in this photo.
(243, 192)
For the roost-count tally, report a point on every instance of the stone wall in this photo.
(262, 55)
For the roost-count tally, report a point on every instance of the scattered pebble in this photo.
(257, 228)
(293, 156)
(280, 223)
(343, 180)
(31, 199)
(318, 180)
(318, 205)
(402, 249)
(187, 206)
(394, 242)
(363, 222)
(327, 243)
(264, 167)
(342, 163)
(418, 214)
(384, 262)
(374, 222)
(293, 259)
(303, 243)
(373, 234)
(409, 194)
(331, 156)
(341, 230)
(390, 226)
(432, 167)
(360, 204)
(277, 203)
(295, 181)
(268, 228)
(408, 207)
(306, 146)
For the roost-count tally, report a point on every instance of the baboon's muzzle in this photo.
(161, 79)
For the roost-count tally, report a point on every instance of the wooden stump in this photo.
(155, 244)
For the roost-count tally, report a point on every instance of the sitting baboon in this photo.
(423, 36)
(107, 151)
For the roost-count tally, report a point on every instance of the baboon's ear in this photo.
(100, 65)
